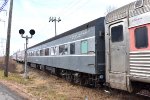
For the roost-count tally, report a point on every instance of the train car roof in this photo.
(77, 29)
(133, 9)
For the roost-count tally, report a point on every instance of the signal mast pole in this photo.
(21, 32)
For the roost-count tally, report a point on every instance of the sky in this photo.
(34, 14)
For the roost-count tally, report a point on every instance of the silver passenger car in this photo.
(81, 49)
(128, 45)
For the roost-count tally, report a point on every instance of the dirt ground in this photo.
(43, 86)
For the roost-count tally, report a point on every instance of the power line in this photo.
(68, 6)
(71, 9)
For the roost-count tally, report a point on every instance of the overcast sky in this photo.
(34, 14)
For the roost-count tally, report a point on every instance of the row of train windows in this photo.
(63, 50)
(140, 34)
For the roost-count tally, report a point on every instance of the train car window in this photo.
(31, 53)
(34, 53)
(72, 48)
(37, 53)
(117, 33)
(53, 50)
(63, 49)
(141, 37)
(47, 52)
(84, 47)
(41, 52)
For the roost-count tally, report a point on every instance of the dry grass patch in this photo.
(44, 86)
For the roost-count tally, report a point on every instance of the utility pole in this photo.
(54, 19)
(8, 39)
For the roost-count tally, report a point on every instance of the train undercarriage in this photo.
(84, 79)
(141, 88)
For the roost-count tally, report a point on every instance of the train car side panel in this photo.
(82, 60)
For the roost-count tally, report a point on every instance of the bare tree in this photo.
(109, 9)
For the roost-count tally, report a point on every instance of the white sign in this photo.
(139, 20)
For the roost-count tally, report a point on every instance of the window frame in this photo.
(117, 40)
(65, 49)
(37, 53)
(53, 50)
(81, 47)
(74, 47)
(135, 37)
(42, 52)
(47, 53)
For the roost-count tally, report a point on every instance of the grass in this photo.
(38, 84)
(44, 87)
(14, 77)
(14, 71)
(44, 90)
(47, 93)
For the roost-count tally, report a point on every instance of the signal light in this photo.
(32, 31)
(21, 31)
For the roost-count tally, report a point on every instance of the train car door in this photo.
(117, 48)
(118, 55)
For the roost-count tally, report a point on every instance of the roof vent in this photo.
(138, 4)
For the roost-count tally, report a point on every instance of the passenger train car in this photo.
(19, 56)
(79, 50)
(112, 50)
(128, 45)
